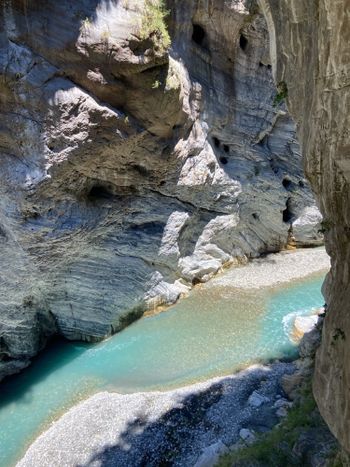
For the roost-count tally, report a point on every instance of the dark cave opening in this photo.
(287, 184)
(198, 34)
(216, 142)
(243, 42)
(223, 160)
(287, 214)
(100, 192)
(226, 148)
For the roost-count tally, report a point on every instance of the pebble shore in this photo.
(275, 269)
(176, 426)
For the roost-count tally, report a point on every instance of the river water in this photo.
(215, 331)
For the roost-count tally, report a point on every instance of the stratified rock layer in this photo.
(310, 53)
(128, 171)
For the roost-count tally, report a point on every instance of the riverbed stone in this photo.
(282, 412)
(256, 400)
(303, 325)
(282, 402)
(247, 436)
(211, 455)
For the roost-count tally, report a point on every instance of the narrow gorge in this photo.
(147, 147)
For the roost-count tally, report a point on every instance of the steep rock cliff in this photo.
(130, 171)
(310, 54)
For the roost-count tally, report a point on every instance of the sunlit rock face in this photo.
(311, 54)
(130, 171)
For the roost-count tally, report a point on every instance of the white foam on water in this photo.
(289, 320)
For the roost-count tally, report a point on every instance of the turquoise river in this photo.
(215, 331)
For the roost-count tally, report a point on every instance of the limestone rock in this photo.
(307, 227)
(309, 343)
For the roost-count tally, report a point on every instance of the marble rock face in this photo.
(310, 58)
(131, 170)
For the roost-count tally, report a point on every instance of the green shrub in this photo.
(153, 24)
(326, 226)
(282, 93)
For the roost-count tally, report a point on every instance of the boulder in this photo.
(256, 400)
(302, 325)
(247, 436)
(211, 455)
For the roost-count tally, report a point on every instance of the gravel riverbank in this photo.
(274, 269)
(174, 427)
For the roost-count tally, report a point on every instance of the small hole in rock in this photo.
(162, 183)
(287, 214)
(243, 42)
(301, 184)
(287, 183)
(226, 148)
(198, 34)
(216, 142)
(223, 160)
(141, 170)
(195, 281)
(261, 64)
(255, 216)
(269, 67)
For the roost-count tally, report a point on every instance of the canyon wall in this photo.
(310, 55)
(131, 170)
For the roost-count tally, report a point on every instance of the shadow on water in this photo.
(58, 353)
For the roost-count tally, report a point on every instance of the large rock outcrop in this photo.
(130, 171)
(310, 56)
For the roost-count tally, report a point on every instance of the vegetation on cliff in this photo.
(154, 26)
